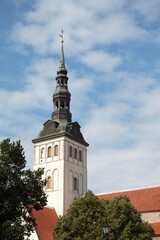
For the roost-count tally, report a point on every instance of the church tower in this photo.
(61, 150)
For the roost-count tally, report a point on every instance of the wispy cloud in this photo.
(85, 24)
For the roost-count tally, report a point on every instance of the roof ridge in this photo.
(128, 190)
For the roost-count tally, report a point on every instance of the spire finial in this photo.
(61, 35)
(62, 61)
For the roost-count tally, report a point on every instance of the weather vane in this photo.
(61, 35)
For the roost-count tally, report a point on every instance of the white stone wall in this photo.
(62, 169)
(151, 217)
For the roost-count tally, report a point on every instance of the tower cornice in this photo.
(58, 135)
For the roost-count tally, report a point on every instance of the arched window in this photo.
(49, 182)
(42, 153)
(49, 151)
(75, 153)
(75, 184)
(80, 155)
(56, 150)
(70, 151)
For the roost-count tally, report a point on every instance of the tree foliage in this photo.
(125, 221)
(19, 189)
(86, 217)
(83, 220)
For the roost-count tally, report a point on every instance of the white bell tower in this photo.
(61, 150)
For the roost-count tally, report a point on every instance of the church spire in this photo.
(61, 96)
(62, 69)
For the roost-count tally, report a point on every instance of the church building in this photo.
(61, 150)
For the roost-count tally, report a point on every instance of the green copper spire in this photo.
(62, 69)
(62, 61)
(61, 96)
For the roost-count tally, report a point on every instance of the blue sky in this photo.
(112, 51)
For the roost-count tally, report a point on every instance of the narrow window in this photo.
(49, 151)
(80, 155)
(75, 184)
(42, 153)
(70, 151)
(56, 150)
(75, 153)
(62, 104)
(49, 182)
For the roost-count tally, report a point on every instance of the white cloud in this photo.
(124, 136)
(112, 168)
(101, 61)
(37, 88)
(148, 9)
(85, 26)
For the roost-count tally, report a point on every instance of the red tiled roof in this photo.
(144, 200)
(156, 227)
(45, 220)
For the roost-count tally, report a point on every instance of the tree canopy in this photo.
(86, 217)
(20, 191)
(125, 221)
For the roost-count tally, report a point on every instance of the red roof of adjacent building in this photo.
(156, 227)
(144, 200)
(45, 220)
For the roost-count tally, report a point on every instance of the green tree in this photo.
(84, 220)
(125, 221)
(20, 191)
(86, 216)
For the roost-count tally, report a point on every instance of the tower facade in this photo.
(60, 149)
